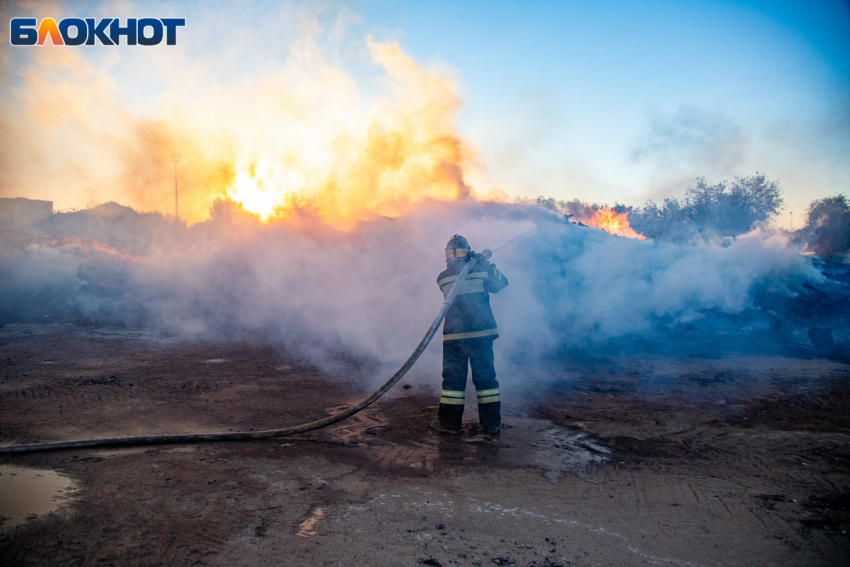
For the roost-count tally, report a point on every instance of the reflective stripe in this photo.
(453, 397)
(493, 392)
(472, 335)
(473, 275)
(488, 396)
(468, 286)
(456, 253)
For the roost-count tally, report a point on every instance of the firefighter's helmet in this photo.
(457, 247)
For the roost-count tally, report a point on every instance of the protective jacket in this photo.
(470, 315)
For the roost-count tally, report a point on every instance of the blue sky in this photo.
(603, 101)
(580, 85)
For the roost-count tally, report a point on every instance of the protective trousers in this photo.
(458, 356)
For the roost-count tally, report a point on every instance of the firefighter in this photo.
(468, 334)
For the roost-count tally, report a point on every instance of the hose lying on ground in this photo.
(177, 438)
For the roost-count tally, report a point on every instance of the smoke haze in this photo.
(371, 292)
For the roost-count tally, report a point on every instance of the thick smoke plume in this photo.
(370, 292)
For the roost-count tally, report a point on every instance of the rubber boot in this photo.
(490, 417)
(437, 426)
(450, 419)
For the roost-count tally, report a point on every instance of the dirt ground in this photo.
(604, 460)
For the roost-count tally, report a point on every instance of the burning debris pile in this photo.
(613, 222)
(369, 290)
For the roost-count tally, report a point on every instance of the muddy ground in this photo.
(605, 460)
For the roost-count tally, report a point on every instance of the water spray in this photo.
(183, 438)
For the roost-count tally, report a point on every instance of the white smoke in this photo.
(371, 293)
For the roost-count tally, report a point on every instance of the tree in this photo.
(669, 221)
(733, 209)
(722, 209)
(827, 229)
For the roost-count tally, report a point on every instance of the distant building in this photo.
(20, 212)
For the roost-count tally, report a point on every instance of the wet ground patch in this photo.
(26, 493)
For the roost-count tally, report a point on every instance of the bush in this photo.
(827, 230)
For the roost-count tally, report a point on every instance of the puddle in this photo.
(215, 360)
(558, 450)
(27, 492)
(307, 528)
(524, 442)
(542, 444)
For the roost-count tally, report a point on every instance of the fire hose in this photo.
(178, 438)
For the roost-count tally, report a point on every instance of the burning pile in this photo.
(368, 291)
(344, 164)
(613, 222)
(87, 245)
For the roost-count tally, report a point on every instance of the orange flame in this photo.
(303, 141)
(343, 163)
(72, 243)
(613, 222)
